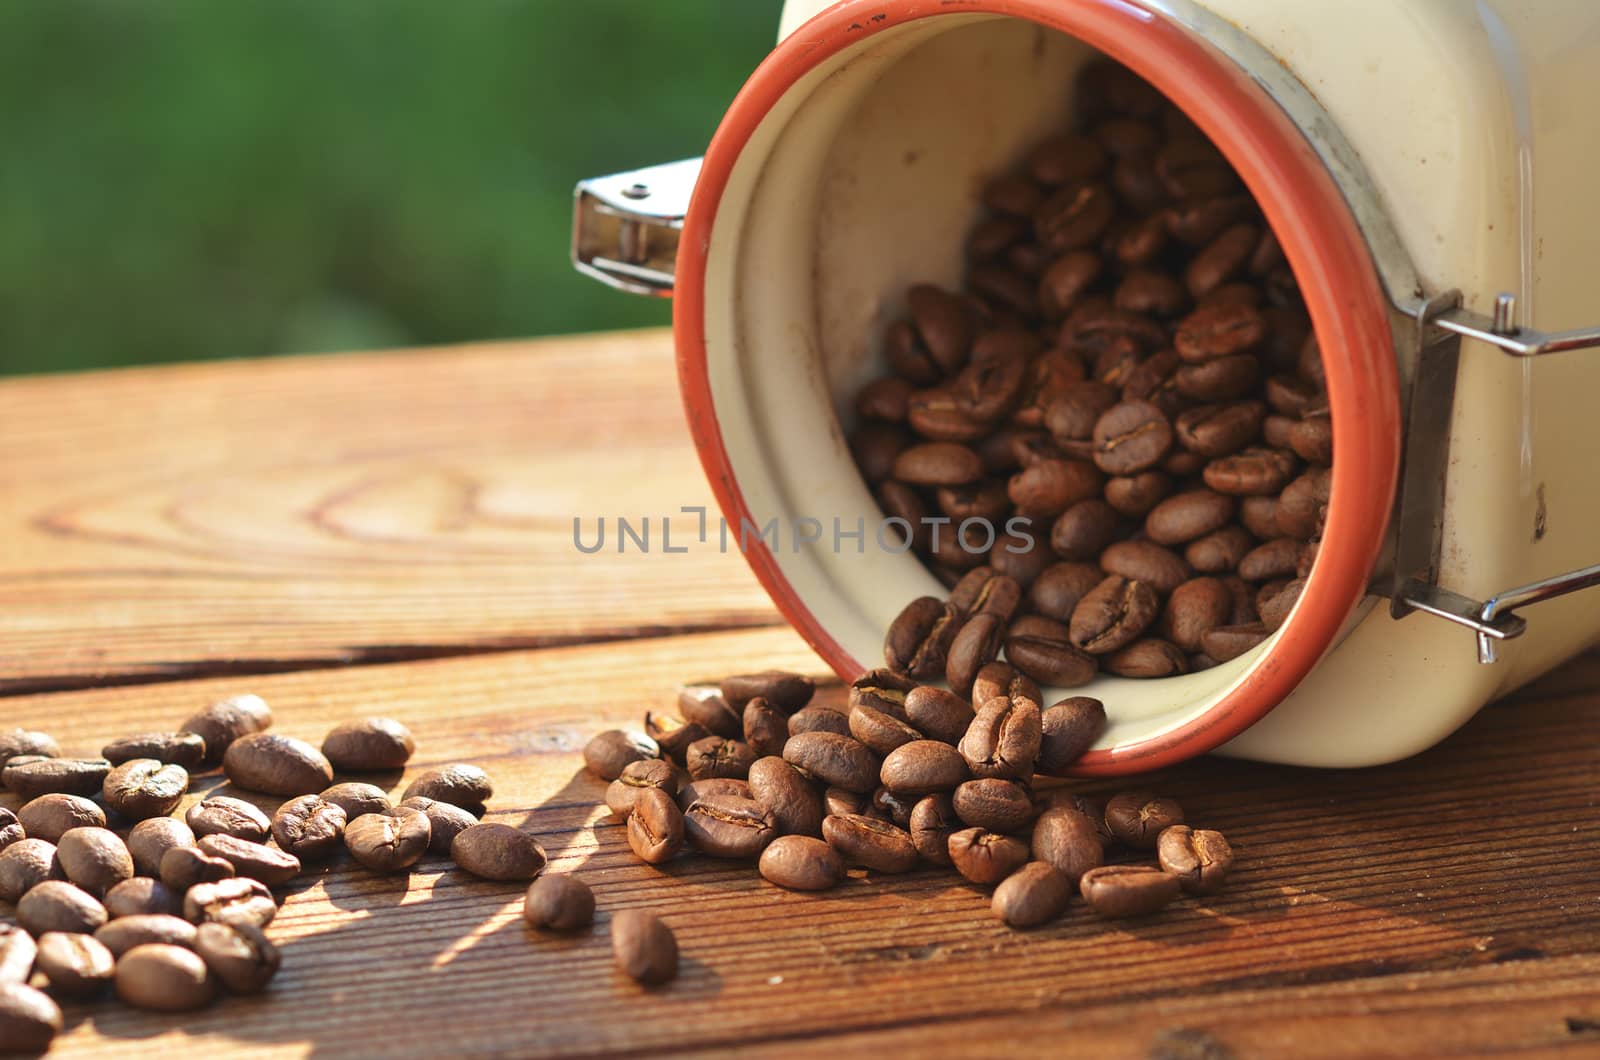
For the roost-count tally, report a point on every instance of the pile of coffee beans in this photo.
(910, 775)
(113, 892)
(1115, 446)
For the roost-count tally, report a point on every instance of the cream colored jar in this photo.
(1400, 151)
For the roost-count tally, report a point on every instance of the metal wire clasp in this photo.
(1441, 325)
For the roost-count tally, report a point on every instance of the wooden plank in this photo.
(272, 515)
(1451, 895)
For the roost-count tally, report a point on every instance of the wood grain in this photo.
(1437, 906)
(253, 517)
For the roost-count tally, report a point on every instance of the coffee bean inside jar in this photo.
(1127, 391)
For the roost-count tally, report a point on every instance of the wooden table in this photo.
(392, 534)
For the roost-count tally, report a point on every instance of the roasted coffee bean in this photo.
(1068, 729)
(1068, 840)
(124, 933)
(445, 821)
(1194, 607)
(1084, 530)
(1150, 291)
(1058, 589)
(1003, 739)
(985, 857)
(922, 767)
(1275, 610)
(1229, 642)
(1200, 858)
(801, 863)
(1046, 488)
(17, 954)
(141, 896)
(225, 721)
(26, 864)
(880, 732)
(936, 714)
(369, 745)
(886, 805)
(1181, 463)
(184, 867)
(1219, 330)
(258, 861)
(1072, 417)
(76, 964)
(1277, 558)
(231, 901)
(164, 979)
(239, 956)
(655, 827)
(559, 901)
(637, 777)
(49, 817)
(1035, 894)
(1250, 472)
(905, 513)
(1004, 680)
(356, 798)
(1259, 515)
(469, 787)
(1130, 437)
(933, 821)
(1212, 431)
(673, 735)
(96, 859)
(1223, 379)
(788, 798)
(869, 842)
(937, 464)
(785, 691)
(983, 590)
(1147, 657)
(389, 841)
(1113, 615)
(1137, 817)
(609, 752)
(997, 805)
(143, 787)
(882, 689)
(309, 827)
(29, 1018)
(1128, 890)
(1134, 495)
(1143, 561)
(1301, 502)
(1065, 280)
(1185, 516)
(11, 830)
(705, 707)
(1043, 649)
(276, 765)
(29, 777)
(56, 905)
(224, 815)
(1219, 551)
(1275, 431)
(919, 639)
(766, 729)
(726, 826)
(1311, 436)
(496, 851)
(696, 789)
(1074, 217)
(942, 322)
(837, 761)
(840, 801)
(644, 947)
(1221, 259)
(14, 742)
(186, 749)
(717, 757)
(818, 719)
(1019, 554)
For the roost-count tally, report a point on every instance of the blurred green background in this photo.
(188, 179)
